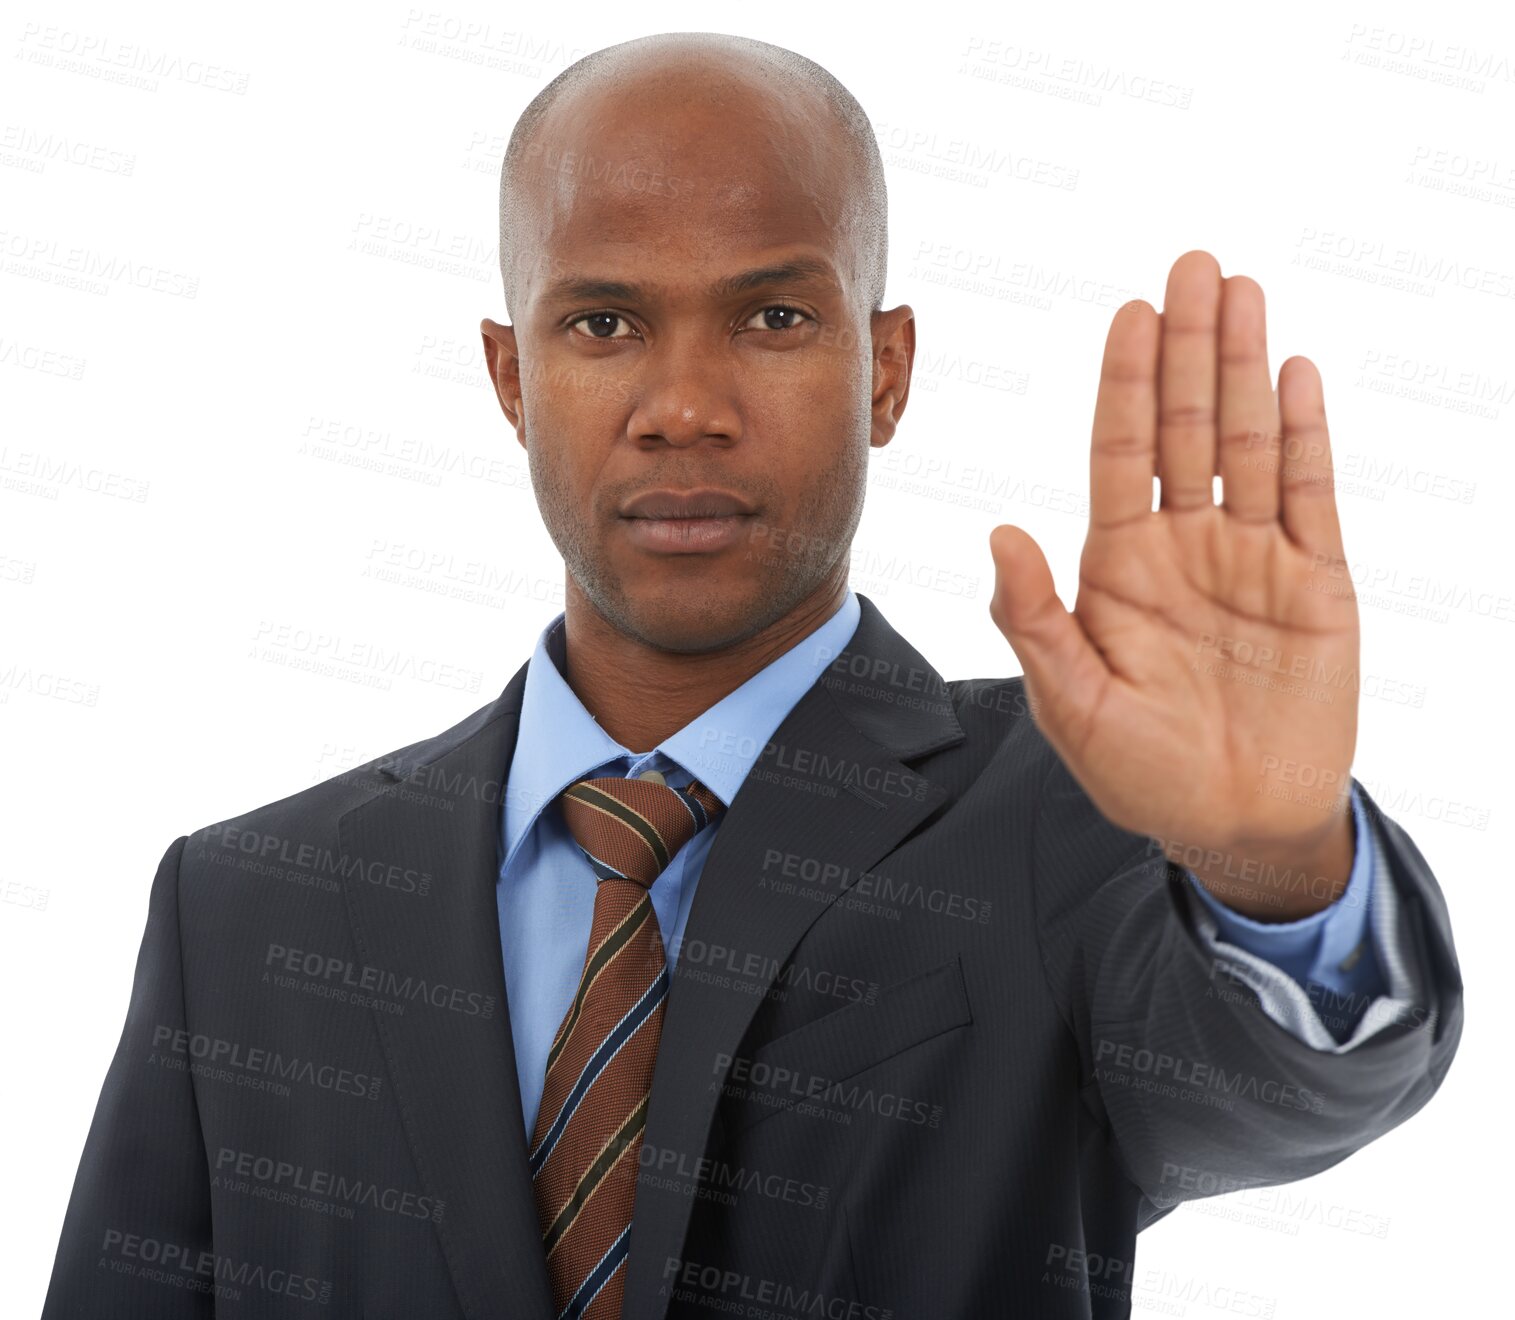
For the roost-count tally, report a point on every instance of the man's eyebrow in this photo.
(812, 269)
(788, 272)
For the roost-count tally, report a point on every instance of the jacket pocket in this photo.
(847, 1041)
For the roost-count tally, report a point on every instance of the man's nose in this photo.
(686, 396)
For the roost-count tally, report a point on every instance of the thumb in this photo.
(1060, 664)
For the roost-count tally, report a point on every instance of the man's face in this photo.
(685, 378)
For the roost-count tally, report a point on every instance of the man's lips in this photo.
(686, 522)
(698, 502)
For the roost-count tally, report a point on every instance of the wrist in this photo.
(1282, 881)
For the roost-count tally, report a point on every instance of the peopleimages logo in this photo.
(376, 980)
(233, 1059)
(736, 1293)
(1203, 1077)
(312, 858)
(168, 1262)
(329, 1187)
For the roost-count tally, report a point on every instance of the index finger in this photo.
(1123, 450)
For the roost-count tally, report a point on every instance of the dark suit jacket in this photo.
(941, 1040)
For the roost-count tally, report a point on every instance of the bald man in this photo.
(733, 961)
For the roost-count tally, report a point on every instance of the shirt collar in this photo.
(559, 741)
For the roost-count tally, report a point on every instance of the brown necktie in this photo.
(588, 1134)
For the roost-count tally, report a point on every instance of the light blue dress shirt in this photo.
(546, 889)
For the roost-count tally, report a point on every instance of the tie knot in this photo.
(632, 828)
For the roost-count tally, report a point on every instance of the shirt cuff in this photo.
(1332, 979)
(1326, 946)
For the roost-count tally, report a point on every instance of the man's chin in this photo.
(697, 617)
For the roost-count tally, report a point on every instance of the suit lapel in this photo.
(454, 1076)
(878, 703)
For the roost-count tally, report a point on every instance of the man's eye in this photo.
(778, 312)
(602, 325)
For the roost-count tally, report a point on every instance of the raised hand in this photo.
(1212, 647)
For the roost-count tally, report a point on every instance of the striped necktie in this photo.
(587, 1140)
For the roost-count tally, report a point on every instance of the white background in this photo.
(186, 540)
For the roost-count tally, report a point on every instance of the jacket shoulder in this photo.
(996, 719)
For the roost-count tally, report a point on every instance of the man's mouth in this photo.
(686, 521)
(682, 536)
(697, 502)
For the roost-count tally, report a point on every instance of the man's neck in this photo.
(641, 695)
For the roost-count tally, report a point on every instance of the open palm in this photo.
(1204, 687)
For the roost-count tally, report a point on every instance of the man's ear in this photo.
(893, 354)
(504, 364)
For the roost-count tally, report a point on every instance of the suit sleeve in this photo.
(1201, 1090)
(136, 1239)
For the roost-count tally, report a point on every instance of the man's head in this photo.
(636, 188)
